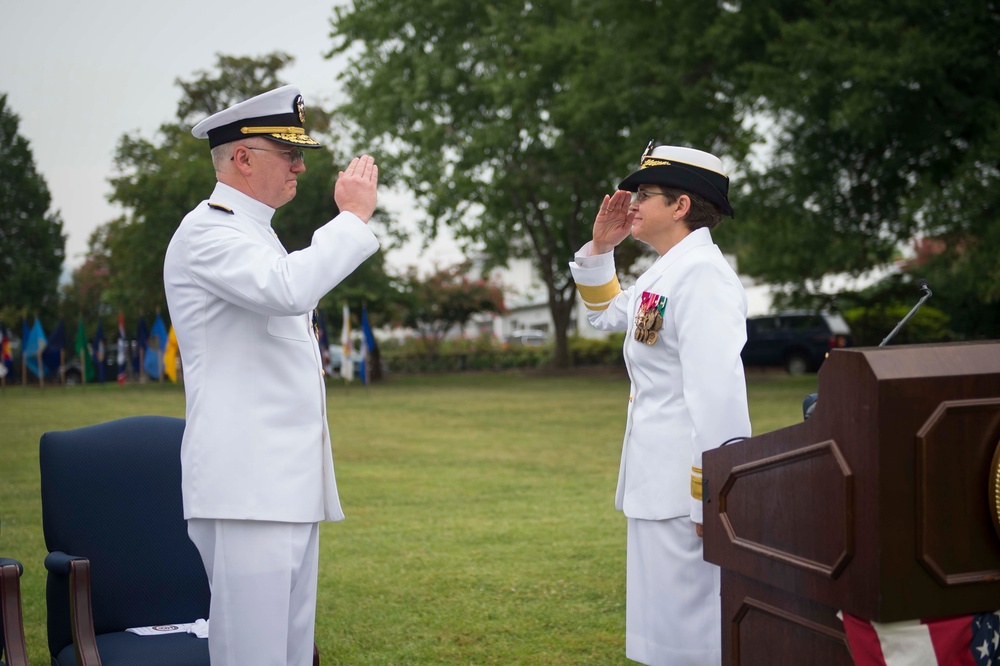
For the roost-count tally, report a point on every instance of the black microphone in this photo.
(922, 284)
(809, 404)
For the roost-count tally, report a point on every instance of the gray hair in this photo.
(223, 153)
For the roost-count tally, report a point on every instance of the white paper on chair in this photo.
(199, 628)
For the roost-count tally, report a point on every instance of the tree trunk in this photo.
(560, 306)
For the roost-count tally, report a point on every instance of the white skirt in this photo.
(673, 608)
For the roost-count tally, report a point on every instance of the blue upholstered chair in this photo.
(12, 649)
(119, 553)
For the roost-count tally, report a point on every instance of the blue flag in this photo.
(368, 345)
(52, 356)
(100, 351)
(33, 347)
(155, 347)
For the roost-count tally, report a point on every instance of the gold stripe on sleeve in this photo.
(696, 487)
(696, 491)
(599, 295)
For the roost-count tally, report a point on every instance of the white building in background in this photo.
(527, 303)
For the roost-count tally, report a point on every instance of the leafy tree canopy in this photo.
(884, 121)
(32, 242)
(511, 120)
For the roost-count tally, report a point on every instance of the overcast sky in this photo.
(79, 75)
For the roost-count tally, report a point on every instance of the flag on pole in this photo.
(86, 365)
(122, 349)
(6, 360)
(962, 640)
(100, 352)
(368, 346)
(170, 356)
(155, 346)
(33, 349)
(346, 349)
(52, 357)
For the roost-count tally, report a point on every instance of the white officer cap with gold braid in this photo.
(278, 115)
(685, 169)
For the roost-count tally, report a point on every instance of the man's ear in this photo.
(242, 159)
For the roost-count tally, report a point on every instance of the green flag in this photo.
(83, 353)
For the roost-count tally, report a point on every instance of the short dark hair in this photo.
(703, 212)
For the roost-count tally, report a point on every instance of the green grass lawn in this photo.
(480, 520)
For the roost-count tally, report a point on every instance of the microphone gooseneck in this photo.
(927, 294)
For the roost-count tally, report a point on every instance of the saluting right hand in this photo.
(613, 223)
(356, 187)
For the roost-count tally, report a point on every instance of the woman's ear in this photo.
(683, 206)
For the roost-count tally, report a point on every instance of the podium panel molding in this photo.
(841, 478)
(957, 432)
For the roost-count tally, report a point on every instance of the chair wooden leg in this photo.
(315, 655)
(15, 650)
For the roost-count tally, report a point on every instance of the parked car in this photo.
(528, 337)
(797, 341)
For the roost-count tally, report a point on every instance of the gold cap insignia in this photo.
(300, 108)
(653, 161)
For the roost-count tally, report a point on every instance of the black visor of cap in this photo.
(710, 185)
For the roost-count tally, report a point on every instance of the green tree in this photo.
(509, 121)
(883, 122)
(32, 242)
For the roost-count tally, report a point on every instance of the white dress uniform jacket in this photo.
(256, 444)
(688, 391)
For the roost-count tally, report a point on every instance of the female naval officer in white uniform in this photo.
(686, 324)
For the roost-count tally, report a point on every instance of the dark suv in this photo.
(799, 341)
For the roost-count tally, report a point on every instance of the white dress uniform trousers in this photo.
(263, 577)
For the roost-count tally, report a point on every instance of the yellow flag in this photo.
(170, 356)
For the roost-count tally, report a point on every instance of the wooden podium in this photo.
(884, 504)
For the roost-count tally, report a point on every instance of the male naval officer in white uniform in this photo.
(257, 469)
(686, 324)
